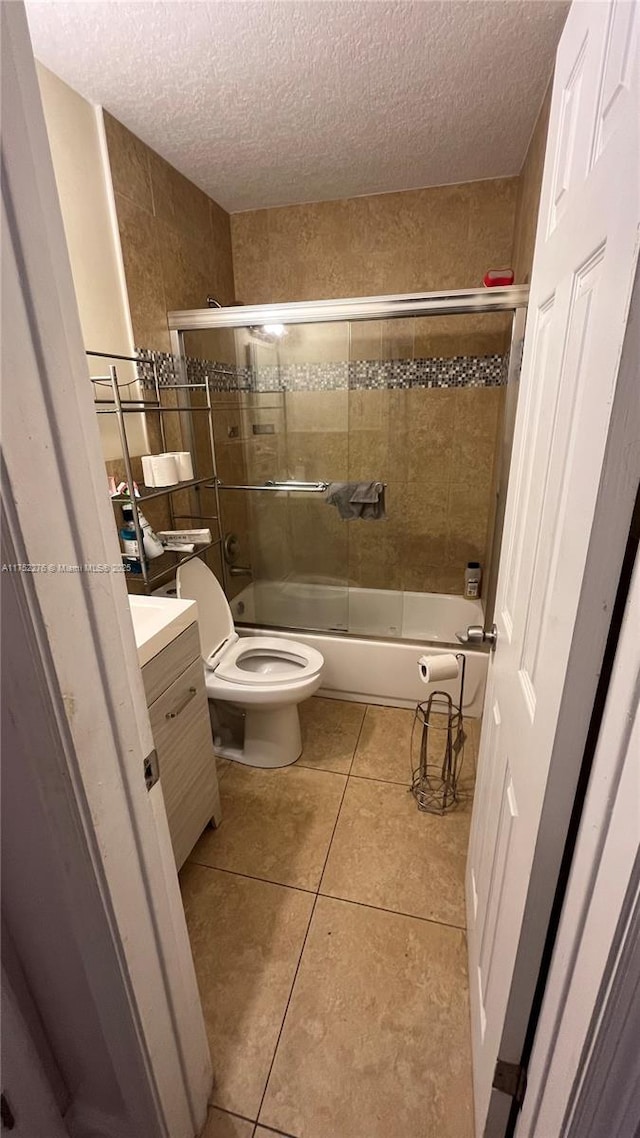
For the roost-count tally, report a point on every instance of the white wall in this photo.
(83, 179)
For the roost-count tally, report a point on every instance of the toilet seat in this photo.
(264, 660)
(266, 677)
(252, 662)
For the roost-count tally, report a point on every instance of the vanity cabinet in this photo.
(179, 713)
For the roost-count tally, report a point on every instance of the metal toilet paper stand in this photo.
(437, 749)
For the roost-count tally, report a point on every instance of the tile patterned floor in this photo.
(326, 917)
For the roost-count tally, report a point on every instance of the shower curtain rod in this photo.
(354, 308)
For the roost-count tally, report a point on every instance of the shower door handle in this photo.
(476, 634)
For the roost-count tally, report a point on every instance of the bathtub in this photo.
(375, 660)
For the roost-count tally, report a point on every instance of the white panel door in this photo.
(585, 256)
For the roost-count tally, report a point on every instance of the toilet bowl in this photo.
(266, 677)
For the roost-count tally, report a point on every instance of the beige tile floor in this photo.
(326, 917)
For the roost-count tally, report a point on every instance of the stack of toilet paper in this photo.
(167, 469)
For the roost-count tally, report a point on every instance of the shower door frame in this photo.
(513, 298)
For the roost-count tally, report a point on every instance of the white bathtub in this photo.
(360, 665)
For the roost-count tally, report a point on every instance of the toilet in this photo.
(265, 676)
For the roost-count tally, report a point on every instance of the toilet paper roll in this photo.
(185, 465)
(147, 470)
(442, 667)
(164, 469)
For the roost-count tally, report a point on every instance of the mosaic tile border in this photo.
(427, 372)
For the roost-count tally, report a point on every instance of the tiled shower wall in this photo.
(434, 448)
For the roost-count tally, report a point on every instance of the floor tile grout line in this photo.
(278, 1133)
(315, 767)
(233, 1113)
(355, 746)
(304, 942)
(393, 782)
(376, 778)
(252, 877)
(394, 912)
(286, 1009)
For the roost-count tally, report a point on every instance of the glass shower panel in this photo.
(280, 415)
(377, 453)
(453, 394)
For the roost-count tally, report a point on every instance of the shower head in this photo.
(268, 333)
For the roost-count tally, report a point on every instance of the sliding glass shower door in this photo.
(414, 404)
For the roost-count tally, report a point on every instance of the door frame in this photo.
(115, 844)
(76, 659)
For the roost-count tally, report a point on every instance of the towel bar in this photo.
(290, 486)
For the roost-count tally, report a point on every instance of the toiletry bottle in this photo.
(131, 552)
(128, 533)
(153, 547)
(472, 579)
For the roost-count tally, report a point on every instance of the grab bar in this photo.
(290, 486)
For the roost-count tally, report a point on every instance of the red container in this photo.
(494, 278)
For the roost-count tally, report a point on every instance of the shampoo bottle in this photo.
(472, 579)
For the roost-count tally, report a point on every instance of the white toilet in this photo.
(266, 676)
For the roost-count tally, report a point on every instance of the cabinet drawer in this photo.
(182, 736)
(162, 669)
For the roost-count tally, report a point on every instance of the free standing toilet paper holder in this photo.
(437, 749)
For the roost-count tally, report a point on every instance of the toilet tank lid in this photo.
(196, 582)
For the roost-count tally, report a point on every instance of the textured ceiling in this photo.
(268, 102)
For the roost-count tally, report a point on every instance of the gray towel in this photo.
(354, 500)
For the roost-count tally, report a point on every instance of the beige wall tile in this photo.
(176, 245)
(397, 339)
(231, 462)
(529, 186)
(266, 458)
(491, 220)
(372, 457)
(466, 526)
(177, 203)
(129, 162)
(430, 239)
(313, 456)
(185, 269)
(251, 268)
(425, 578)
(229, 423)
(222, 282)
(476, 423)
(375, 560)
(368, 410)
(318, 539)
(365, 340)
(317, 410)
(143, 272)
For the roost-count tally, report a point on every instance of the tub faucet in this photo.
(240, 571)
